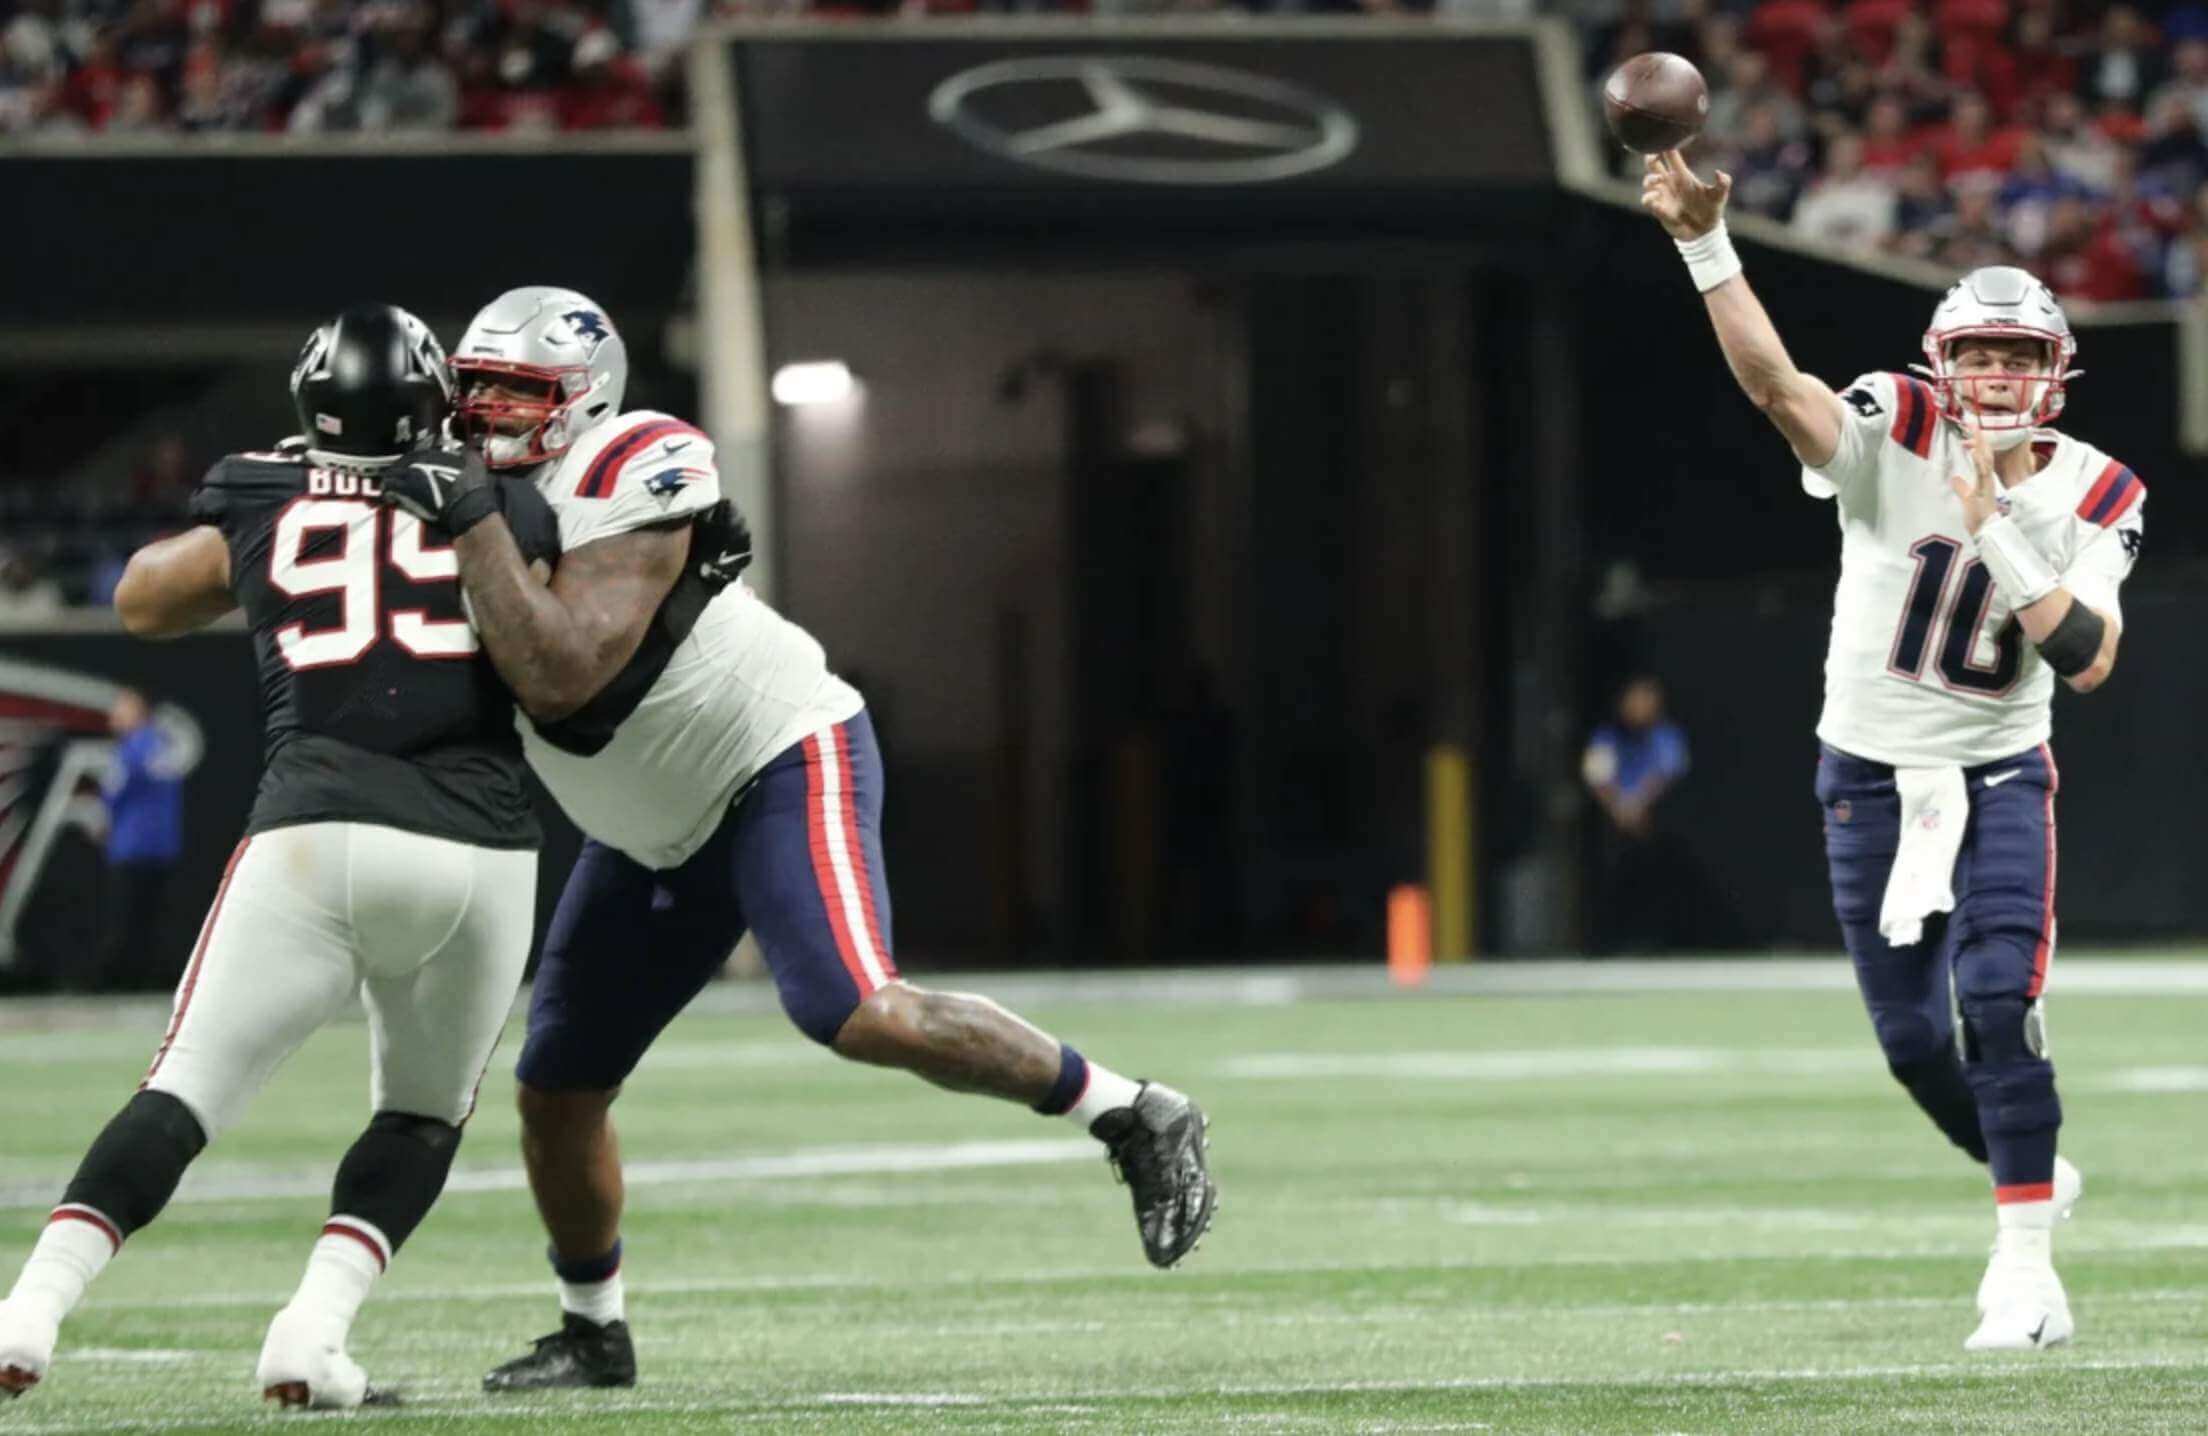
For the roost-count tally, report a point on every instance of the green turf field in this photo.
(1552, 1211)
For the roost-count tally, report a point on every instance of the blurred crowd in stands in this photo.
(313, 66)
(2062, 136)
(2065, 135)
(64, 545)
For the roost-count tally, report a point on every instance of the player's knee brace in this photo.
(135, 1163)
(392, 1175)
(2005, 1058)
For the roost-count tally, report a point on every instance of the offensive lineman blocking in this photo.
(726, 780)
(1981, 553)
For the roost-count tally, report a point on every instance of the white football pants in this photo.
(437, 932)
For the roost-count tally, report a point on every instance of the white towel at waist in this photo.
(1935, 809)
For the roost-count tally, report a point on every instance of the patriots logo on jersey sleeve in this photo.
(1864, 402)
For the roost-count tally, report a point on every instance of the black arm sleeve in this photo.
(2076, 641)
(535, 527)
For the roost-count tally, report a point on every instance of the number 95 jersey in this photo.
(378, 703)
(1927, 664)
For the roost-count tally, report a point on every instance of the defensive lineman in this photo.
(726, 779)
(392, 847)
(1981, 553)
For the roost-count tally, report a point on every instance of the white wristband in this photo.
(2022, 574)
(1710, 259)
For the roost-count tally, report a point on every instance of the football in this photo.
(1655, 101)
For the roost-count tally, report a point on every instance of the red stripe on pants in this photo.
(191, 971)
(824, 867)
(2045, 952)
(855, 847)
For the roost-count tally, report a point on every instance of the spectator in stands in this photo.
(137, 108)
(2027, 196)
(1888, 145)
(27, 596)
(2087, 259)
(408, 86)
(1922, 209)
(2075, 147)
(611, 91)
(2043, 64)
(2174, 160)
(2142, 218)
(1908, 72)
(1748, 87)
(657, 31)
(1769, 169)
(2124, 66)
(2188, 82)
(95, 86)
(1847, 204)
(145, 837)
(1970, 235)
(1971, 148)
(2185, 266)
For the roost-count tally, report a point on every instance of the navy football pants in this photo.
(798, 860)
(1986, 965)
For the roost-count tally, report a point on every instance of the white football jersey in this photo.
(744, 686)
(1926, 665)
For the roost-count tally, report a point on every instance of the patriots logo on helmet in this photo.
(667, 483)
(54, 749)
(589, 326)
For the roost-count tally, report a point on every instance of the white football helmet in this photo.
(2000, 302)
(555, 346)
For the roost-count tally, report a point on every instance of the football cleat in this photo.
(580, 1353)
(303, 1364)
(2027, 1309)
(1157, 1145)
(2069, 1186)
(26, 1348)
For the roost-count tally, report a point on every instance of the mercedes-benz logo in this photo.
(1139, 120)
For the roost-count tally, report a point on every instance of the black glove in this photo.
(721, 544)
(449, 488)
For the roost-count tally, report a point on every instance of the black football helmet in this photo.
(370, 385)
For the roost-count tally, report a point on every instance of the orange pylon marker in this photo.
(1410, 935)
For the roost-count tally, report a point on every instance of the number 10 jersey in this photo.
(1927, 664)
(378, 703)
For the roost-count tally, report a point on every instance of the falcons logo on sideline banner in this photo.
(54, 749)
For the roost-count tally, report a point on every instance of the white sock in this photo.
(346, 1260)
(596, 1301)
(77, 1243)
(2025, 1216)
(1107, 1091)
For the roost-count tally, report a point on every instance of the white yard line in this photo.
(765, 1411)
(812, 1162)
(1550, 1063)
(645, 1286)
(2077, 974)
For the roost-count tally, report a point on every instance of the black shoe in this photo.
(580, 1353)
(1157, 1146)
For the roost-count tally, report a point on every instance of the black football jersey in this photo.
(378, 702)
